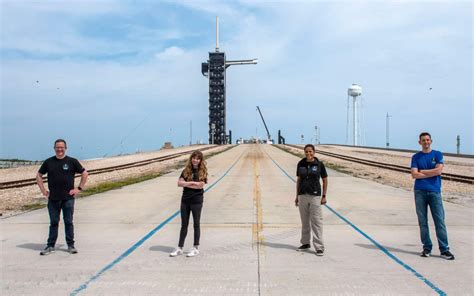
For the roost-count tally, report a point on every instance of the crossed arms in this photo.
(191, 184)
(423, 174)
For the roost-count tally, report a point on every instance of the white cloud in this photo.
(309, 53)
(170, 53)
(58, 30)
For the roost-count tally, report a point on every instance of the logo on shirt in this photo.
(433, 161)
(65, 167)
(314, 169)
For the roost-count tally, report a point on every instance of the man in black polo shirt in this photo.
(61, 170)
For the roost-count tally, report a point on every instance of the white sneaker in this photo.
(192, 252)
(176, 252)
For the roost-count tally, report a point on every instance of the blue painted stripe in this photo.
(145, 238)
(382, 248)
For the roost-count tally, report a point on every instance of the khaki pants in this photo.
(311, 220)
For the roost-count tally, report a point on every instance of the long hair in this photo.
(202, 169)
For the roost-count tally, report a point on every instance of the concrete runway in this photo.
(249, 231)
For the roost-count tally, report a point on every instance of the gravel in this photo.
(455, 192)
(13, 201)
(17, 200)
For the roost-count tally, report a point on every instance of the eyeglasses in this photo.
(57, 148)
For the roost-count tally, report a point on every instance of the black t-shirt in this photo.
(61, 174)
(310, 173)
(190, 194)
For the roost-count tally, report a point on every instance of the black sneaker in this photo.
(447, 255)
(48, 250)
(425, 253)
(319, 253)
(303, 247)
(71, 250)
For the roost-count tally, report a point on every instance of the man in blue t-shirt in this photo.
(426, 168)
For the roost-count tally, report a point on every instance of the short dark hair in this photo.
(310, 146)
(59, 141)
(425, 134)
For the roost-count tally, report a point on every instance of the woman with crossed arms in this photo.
(192, 179)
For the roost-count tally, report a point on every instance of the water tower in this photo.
(354, 91)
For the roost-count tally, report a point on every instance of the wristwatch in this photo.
(80, 188)
(324, 195)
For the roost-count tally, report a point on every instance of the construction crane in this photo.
(269, 138)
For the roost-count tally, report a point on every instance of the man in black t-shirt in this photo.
(61, 170)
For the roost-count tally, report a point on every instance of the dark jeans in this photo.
(423, 199)
(54, 209)
(186, 210)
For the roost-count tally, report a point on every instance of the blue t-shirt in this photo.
(427, 161)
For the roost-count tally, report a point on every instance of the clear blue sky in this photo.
(120, 76)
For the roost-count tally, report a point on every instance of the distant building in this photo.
(167, 145)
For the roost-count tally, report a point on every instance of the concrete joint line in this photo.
(257, 236)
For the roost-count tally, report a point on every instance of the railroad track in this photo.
(32, 181)
(389, 166)
(400, 150)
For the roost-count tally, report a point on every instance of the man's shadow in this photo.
(394, 250)
(36, 247)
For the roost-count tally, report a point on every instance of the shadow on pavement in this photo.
(279, 246)
(164, 249)
(395, 250)
(35, 247)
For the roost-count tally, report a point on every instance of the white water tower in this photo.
(354, 91)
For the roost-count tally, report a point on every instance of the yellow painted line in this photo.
(257, 228)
